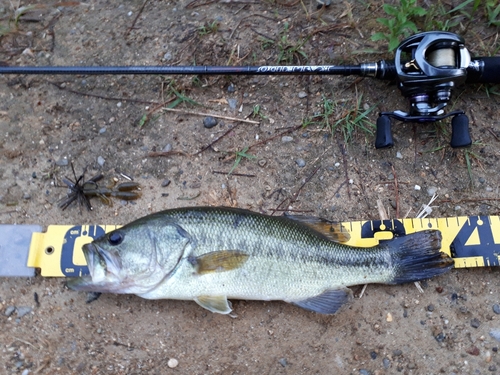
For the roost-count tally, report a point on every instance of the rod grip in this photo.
(460, 135)
(484, 70)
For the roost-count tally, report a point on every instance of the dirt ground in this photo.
(113, 125)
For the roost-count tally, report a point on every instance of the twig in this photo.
(155, 154)
(217, 140)
(101, 96)
(209, 114)
(396, 190)
(344, 159)
(235, 174)
(135, 19)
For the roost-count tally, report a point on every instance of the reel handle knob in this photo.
(383, 137)
(460, 135)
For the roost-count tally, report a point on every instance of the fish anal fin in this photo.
(219, 261)
(216, 304)
(327, 302)
(335, 232)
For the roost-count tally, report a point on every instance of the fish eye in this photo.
(115, 238)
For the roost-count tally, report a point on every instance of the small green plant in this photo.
(400, 22)
(179, 97)
(239, 156)
(492, 10)
(257, 112)
(209, 28)
(288, 52)
(343, 117)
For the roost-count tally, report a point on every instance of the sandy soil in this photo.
(94, 122)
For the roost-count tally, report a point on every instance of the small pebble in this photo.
(431, 190)
(231, 88)
(167, 56)
(262, 162)
(397, 352)
(475, 323)
(167, 148)
(25, 372)
(102, 130)
(492, 368)
(496, 308)
(209, 122)
(398, 155)
(326, 3)
(9, 310)
(286, 139)
(23, 310)
(495, 333)
(165, 182)
(373, 355)
(283, 362)
(417, 187)
(119, 104)
(62, 162)
(389, 317)
(482, 180)
(300, 163)
(232, 103)
(430, 307)
(33, 175)
(99, 330)
(364, 372)
(26, 196)
(172, 363)
(302, 95)
(386, 362)
(100, 160)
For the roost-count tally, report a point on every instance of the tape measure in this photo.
(473, 241)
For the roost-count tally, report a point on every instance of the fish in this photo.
(213, 254)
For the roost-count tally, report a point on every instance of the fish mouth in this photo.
(94, 259)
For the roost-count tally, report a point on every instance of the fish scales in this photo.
(211, 254)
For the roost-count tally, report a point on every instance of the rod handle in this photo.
(383, 137)
(460, 135)
(484, 70)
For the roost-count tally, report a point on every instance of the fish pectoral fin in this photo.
(327, 302)
(335, 232)
(219, 261)
(216, 304)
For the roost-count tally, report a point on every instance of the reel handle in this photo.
(460, 135)
(484, 70)
(383, 138)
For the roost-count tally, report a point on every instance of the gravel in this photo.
(475, 323)
(9, 310)
(209, 122)
(23, 310)
(300, 163)
(496, 308)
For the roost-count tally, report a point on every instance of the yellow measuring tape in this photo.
(473, 241)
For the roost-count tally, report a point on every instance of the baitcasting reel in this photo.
(429, 66)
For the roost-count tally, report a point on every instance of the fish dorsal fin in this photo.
(333, 231)
(216, 304)
(327, 302)
(218, 261)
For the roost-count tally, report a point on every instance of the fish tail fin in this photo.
(417, 256)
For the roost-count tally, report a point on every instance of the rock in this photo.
(417, 187)
(286, 139)
(9, 310)
(482, 180)
(232, 103)
(209, 122)
(397, 352)
(167, 148)
(300, 163)
(262, 162)
(100, 160)
(62, 162)
(172, 363)
(302, 95)
(431, 190)
(373, 355)
(430, 307)
(496, 308)
(386, 362)
(364, 372)
(231, 88)
(165, 182)
(399, 155)
(495, 333)
(473, 350)
(475, 323)
(23, 310)
(283, 362)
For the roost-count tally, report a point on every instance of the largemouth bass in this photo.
(209, 254)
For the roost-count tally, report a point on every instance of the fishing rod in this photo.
(427, 67)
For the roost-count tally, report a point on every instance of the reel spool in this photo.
(429, 66)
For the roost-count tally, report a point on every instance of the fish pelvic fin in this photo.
(333, 231)
(218, 261)
(328, 302)
(417, 256)
(215, 304)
